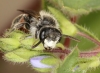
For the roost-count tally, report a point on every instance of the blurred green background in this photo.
(92, 23)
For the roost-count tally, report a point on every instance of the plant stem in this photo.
(67, 40)
(66, 51)
(82, 54)
(89, 37)
(73, 19)
(88, 54)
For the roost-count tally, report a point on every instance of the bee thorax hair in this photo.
(46, 16)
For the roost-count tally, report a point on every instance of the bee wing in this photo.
(73, 38)
(31, 13)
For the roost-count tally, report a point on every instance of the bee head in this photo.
(49, 37)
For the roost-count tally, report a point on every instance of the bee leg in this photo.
(22, 26)
(46, 49)
(29, 36)
(36, 45)
(17, 27)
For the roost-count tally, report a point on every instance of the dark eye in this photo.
(27, 26)
(42, 36)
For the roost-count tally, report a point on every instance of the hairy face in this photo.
(49, 37)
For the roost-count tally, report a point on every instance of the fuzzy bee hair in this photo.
(46, 20)
(48, 15)
(43, 26)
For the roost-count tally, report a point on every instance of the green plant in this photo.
(71, 15)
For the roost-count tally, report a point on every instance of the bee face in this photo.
(49, 37)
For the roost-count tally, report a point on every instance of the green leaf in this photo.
(17, 34)
(86, 31)
(51, 60)
(85, 64)
(21, 55)
(9, 44)
(60, 45)
(76, 7)
(66, 26)
(91, 23)
(29, 42)
(82, 4)
(69, 62)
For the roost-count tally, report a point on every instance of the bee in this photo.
(41, 25)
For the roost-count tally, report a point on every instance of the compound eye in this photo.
(27, 26)
(42, 35)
